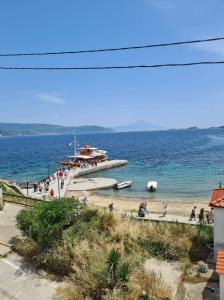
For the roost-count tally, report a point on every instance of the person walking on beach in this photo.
(141, 210)
(111, 207)
(164, 209)
(193, 214)
(85, 201)
(146, 210)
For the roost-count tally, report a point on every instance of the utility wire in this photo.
(114, 49)
(113, 67)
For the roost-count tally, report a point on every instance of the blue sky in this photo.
(166, 97)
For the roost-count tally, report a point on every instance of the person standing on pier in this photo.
(52, 193)
(62, 184)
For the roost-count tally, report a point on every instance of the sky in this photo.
(178, 97)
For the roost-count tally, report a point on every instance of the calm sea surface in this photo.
(183, 162)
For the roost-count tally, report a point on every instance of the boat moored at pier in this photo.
(122, 185)
(152, 186)
(86, 155)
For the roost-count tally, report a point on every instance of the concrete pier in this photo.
(88, 184)
(77, 172)
(101, 166)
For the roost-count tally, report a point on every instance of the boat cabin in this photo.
(86, 155)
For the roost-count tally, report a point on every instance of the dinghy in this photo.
(152, 186)
(122, 185)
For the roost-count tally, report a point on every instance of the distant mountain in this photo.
(138, 126)
(7, 129)
(192, 128)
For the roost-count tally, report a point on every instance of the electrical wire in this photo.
(168, 65)
(114, 49)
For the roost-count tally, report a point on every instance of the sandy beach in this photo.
(175, 207)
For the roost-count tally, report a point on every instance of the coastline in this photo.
(125, 204)
(151, 198)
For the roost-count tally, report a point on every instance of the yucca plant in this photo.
(116, 273)
(112, 266)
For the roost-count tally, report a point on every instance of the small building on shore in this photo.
(217, 202)
(220, 271)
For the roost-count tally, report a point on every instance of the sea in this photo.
(187, 164)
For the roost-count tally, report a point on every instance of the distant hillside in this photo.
(138, 126)
(7, 129)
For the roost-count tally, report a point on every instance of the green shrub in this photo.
(45, 222)
(205, 232)
(88, 214)
(154, 248)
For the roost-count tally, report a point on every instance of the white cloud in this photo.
(51, 98)
(213, 47)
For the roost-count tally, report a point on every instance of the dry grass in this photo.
(26, 247)
(81, 254)
(148, 284)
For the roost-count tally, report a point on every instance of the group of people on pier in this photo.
(204, 216)
(143, 209)
(46, 185)
(82, 164)
(86, 164)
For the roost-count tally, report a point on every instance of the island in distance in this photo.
(18, 129)
(138, 126)
(11, 129)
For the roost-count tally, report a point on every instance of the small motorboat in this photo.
(122, 185)
(152, 186)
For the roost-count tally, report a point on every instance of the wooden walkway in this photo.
(160, 218)
(153, 217)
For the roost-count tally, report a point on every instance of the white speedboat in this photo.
(122, 185)
(152, 186)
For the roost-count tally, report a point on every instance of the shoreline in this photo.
(124, 204)
(188, 200)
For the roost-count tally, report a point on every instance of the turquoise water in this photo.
(184, 162)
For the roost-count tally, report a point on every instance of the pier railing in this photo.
(22, 200)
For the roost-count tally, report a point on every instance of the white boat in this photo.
(122, 185)
(152, 186)
(87, 154)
